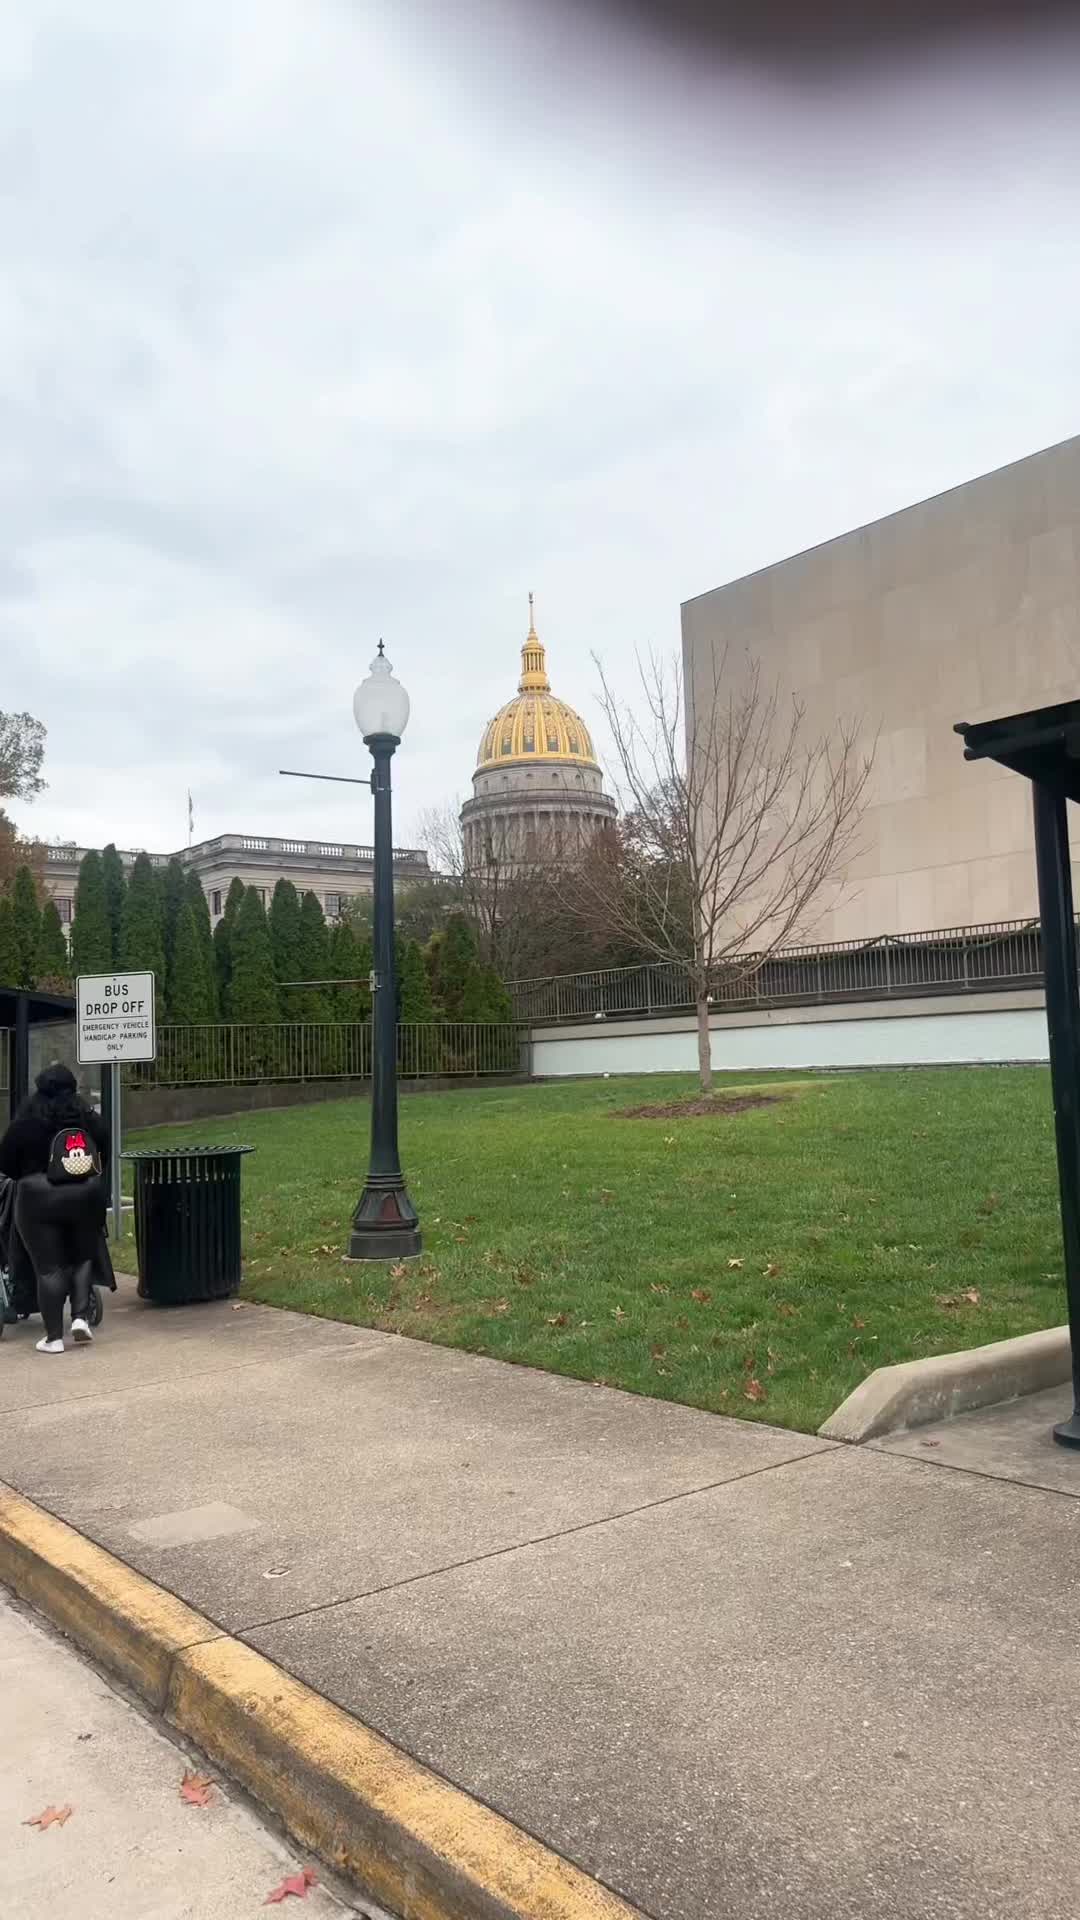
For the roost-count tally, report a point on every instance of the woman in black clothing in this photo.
(61, 1227)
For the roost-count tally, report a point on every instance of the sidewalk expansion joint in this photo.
(820, 1452)
(973, 1473)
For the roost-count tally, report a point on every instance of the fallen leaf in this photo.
(753, 1390)
(52, 1817)
(929, 1443)
(857, 1323)
(658, 1352)
(770, 1272)
(734, 1265)
(683, 1323)
(295, 1884)
(969, 1298)
(701, 1294)
(972, 1296)
(196, 1790)
(654, 1288)
(398, 1271)
(617, 1313)
(500, 1306)
(559, 1320)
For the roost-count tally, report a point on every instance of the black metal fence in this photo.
(1005, 953)
(231, 1055)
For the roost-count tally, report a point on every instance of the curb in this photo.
(917, 1391)
(421, 1848)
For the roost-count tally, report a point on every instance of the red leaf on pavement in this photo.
(296, 1885)
(754, 1390)
(197, 1790)
(52, 1817)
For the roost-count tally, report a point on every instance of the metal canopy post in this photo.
(1044, 747)
(1063, 1024)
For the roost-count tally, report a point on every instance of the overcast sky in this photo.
(316, 324)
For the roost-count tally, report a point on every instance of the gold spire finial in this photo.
(533, 666)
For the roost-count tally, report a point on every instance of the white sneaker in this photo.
(50, 1346)
(80, 1333)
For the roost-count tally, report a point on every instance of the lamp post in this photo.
(384, 1226)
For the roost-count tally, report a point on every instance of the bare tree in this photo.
(736, 824)
(528, 917)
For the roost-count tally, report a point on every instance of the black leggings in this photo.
(58, 1227)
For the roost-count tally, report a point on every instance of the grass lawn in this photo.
(759, 1264)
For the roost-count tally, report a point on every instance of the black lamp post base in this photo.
(385, 1225)
(1067, 1432)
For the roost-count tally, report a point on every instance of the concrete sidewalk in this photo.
(130, 1849)
(729, 1670)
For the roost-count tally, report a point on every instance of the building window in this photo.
(261, 891)
(336, 904)
(63, 908)
(215, 902)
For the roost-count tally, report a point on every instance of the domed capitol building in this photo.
(538, 792)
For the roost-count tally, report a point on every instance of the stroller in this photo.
(18, 1287)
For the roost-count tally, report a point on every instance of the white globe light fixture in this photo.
(380, 703)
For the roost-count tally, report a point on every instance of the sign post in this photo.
(115, 1024)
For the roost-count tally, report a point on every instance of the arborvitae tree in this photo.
(253, 993)
(414, 989)
(142, 946)
(91, 934)
(484, 998)
(172, 881)
(200, 908)
(314, 959)
(53, 961)
(284, 919)
(348, 962)
(115, 878)
(27, 913)
(9, 946)
(223, 934)
(454, 954)
(189, 1002)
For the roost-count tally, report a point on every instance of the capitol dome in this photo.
(535, 725)
(538, 789)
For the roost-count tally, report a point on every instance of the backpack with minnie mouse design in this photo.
(73, 1156)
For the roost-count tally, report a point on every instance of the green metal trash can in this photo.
(187, 1222)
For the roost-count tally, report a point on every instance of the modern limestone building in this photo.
(334, 871)
(961, 608)
(538, 792)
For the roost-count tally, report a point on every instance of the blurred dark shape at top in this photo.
(793, 34)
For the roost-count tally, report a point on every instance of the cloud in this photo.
(317, 325)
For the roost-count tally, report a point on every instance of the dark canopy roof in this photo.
(40, 1007)
(1042, 745)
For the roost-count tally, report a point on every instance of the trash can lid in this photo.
(180, 1153)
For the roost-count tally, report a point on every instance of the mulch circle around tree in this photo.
(707, 1104)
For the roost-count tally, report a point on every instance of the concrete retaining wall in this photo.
(175, 1106)
(938, 1031)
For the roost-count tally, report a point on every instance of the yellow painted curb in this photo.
(419, 1846)
(127, 1623)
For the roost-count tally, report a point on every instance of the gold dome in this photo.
(535, 725)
